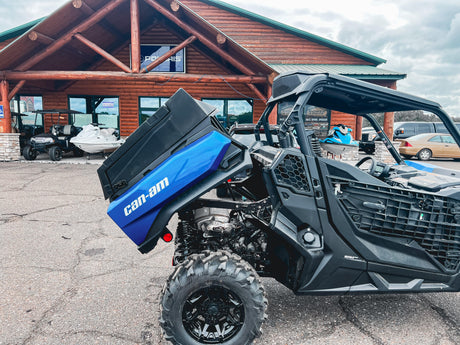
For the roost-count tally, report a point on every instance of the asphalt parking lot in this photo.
(68, 275)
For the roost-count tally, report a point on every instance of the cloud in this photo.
(24, 11)
(426, 47)
(418, 37)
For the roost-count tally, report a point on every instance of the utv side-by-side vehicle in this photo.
(317, 225)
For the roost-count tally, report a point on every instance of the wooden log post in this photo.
(358, 127)
(135, 37)
(388, 121)
(5, 122)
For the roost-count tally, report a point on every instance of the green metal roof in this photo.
(19, 30)
(354, 71)
(300, 33)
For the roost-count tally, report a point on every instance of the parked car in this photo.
(402, 130)
(429, 145)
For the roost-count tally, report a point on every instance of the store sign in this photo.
(175, 63)
(2, 114)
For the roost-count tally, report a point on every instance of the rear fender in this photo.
(136, 210)
(231, 165)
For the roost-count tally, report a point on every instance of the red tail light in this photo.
(407, 144)
(167, 236)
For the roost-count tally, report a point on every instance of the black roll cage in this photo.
(346, 95)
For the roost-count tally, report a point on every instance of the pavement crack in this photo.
(351, 317)
(453, 329)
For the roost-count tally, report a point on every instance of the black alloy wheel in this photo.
(213, 298)
(213, 315)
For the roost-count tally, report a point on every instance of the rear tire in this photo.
(424, 154)
(213, 297)
(29, 153)
(55, 153)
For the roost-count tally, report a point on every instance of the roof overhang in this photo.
(363, 72)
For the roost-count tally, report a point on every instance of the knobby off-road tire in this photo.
(213, 298)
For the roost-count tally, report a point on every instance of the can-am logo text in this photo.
(154, 190)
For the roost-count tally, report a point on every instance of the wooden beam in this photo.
(221, 39)
(156, 77)
(59, 43)
(83, 6)
(41, 38)
(103, 53)
(97, 60)
(135, 37)
(16, 89)
(175, 6)
(44, 39)
(203, 39)
(167, 55)
(258, 93)
(86, 9)
(6, 126)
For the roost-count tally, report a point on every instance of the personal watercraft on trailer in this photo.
(339, 140)
(317, 225)
(93, 139)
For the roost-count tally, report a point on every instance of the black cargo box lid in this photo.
(143, 149)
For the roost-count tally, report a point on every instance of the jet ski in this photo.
(339, 140)
(93, 139)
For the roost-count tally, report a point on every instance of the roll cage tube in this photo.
(263, 121)
(386, 141)
(449, 123)
(294, 120)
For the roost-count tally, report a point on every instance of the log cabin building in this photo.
(117, 61)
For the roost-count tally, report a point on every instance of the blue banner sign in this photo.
(175, 63)
(2, 114)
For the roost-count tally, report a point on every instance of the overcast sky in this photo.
(418, 37)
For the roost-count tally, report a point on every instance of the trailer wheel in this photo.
(29, 153)
(55, 153)
(213, 298)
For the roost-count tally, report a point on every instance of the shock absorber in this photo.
(185, 237)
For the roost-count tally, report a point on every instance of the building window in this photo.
(315, 118)
(151, 52)
(229, 111)
(26, 105)
(96, 109)
(148, 106)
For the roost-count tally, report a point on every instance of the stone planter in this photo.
(382, 154)
(9, 147)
